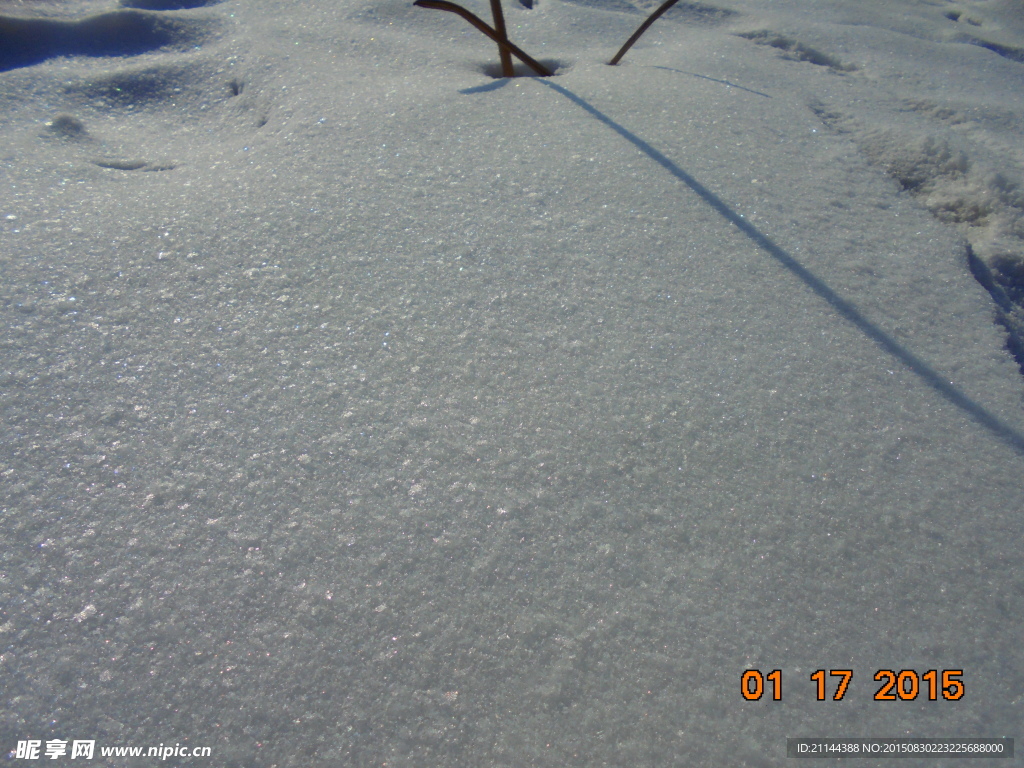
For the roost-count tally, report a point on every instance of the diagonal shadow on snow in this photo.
(714, 80)
(846, 309)
(486, 87)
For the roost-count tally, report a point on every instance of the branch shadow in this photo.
(846, 309)
(714, 80)
(486, 87)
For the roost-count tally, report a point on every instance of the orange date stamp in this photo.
(891, 685)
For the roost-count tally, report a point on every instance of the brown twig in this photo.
(499, 28)
(643, 28)
(476, 21)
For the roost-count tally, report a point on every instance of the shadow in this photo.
(705, 77)
(500, 82)
(1007, 291)
(28, 41)
(493, 69)
(167, 5)
(846, 309)
(486, 87)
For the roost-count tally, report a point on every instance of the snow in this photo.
(362, 408)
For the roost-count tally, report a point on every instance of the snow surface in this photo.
(360, 408)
